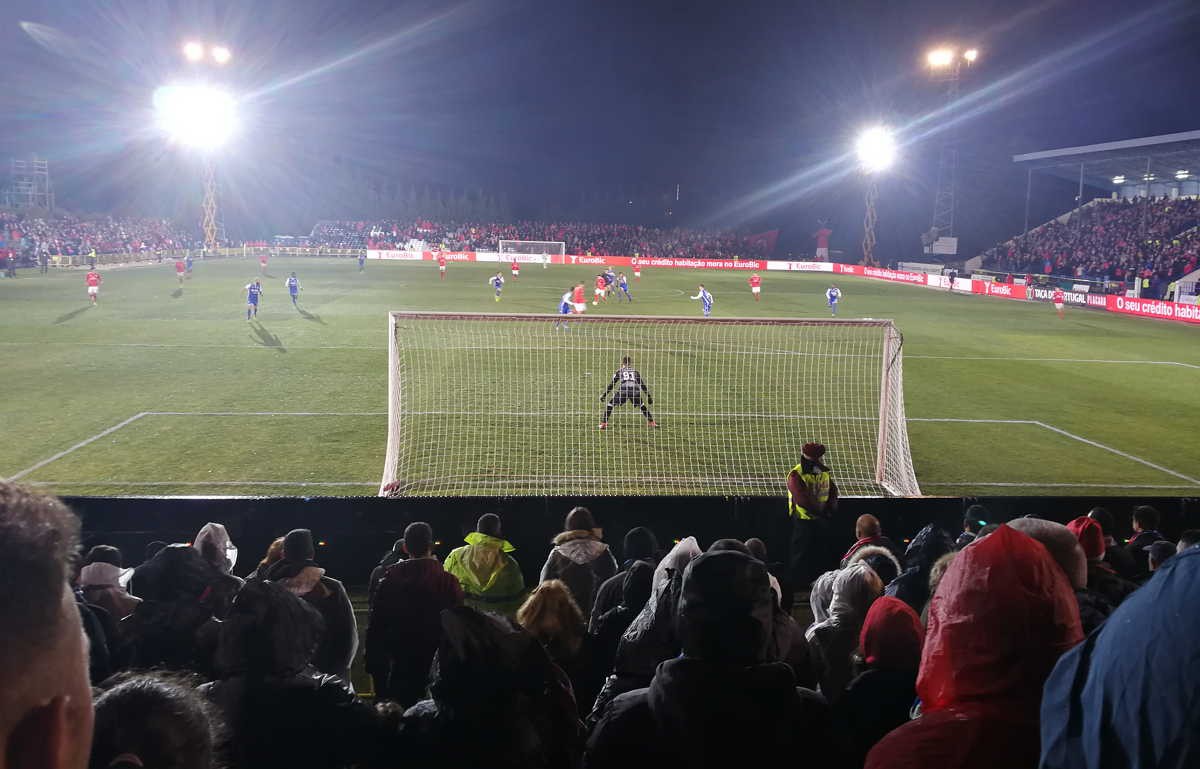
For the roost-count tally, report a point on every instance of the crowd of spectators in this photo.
(579, 237)
(1025, 644)
(1151, 239)
(67, 235)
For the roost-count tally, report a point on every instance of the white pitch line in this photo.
(1118, 452)
(1036, 484)
(204, 483)
(265, 413)
(79, 445)
(1053, 360)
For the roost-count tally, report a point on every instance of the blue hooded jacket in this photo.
(1129, 696)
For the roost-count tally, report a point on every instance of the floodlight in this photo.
(940, 57)
(221, 54)
(1118, 179)
(1181, 174)
(1147, 177)
(971, 54)
(199, 116)
(193, 51)
(876, 149)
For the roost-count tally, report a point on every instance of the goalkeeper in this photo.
(630, 390)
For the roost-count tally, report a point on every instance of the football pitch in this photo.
(169, 390)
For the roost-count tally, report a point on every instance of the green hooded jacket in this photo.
(491, 579)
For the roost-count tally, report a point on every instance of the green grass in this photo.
(71, 372)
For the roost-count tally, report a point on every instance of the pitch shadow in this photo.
(262, 336)
(177, 293)
(310, 316)
(67, 316)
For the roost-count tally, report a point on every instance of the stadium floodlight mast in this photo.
(876, 151)
(946, 65)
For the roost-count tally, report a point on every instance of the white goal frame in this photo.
(543, 248)
(893, 471)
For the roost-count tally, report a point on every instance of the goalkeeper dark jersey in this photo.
(629, 380)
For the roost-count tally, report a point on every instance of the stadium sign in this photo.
(1189, 313)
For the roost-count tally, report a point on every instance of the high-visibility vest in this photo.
(818, 485)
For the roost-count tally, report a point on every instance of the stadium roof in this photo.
(1166, 155)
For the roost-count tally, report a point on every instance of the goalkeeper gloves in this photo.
(649, 401)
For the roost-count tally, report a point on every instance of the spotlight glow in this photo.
(876, 149)
(193, 51)
(198, 116)
(940, 57)
(1118, 180)
(221, 54)
(1182, 174)
(971, 54)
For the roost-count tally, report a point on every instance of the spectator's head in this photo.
(418, 539)
(881, 561)
(214, 544)
(938, 570)
(812, 455)
(757, 548)
(45, 701)
(152, 549)
(640, 545)
(929, 544)
(1189, 538)
(1158, 553)
(152, 722)
(1145, 518)
(489, 524)
(867, 526)
(1062, 545)
(726, 609)
(551, 615)
(579, 519)
(729, 545)
(986, 530)
(1108, 524)
(103, 554)
(268, 632)
(177, 573)
(298, 546)
(274, 553)
(1090, 536)
(975, 518)
(892, 635)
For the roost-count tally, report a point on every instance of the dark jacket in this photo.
(1119, 559)
(583, 562)
(405, 626)
(1103, 580)
(339, 642)
(608, 597)
(1129, 696)
(608, 628)
(912, 586)
(698, 715)
(1135, 549)
(391, 558)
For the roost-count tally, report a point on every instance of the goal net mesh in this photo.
(494, 404)
(544, 247)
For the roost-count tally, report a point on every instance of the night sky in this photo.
(749, 107)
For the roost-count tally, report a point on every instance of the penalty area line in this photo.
(1118, 452)
(81, 444)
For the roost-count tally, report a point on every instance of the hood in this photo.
(854, 589)
(930, 544)
(485, 540)
(651, 638)
(175, 573)
(482, 563)
(726, 608)
(301, 581)
(892, 636)
(821, 596)
(1090, 536)
(104, 575)
(269, 631)
(689, 697)
(871, 555)
(1003, 614)
(1064, 548)
(215, 539)
(579, 547)
(1128, 693)
(483, 660)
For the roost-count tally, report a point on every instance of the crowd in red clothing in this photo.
(71, 235)
(1153, 238)
(579, 237)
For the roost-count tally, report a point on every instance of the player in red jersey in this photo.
(516, 269)
(262, 262)
(755, 285)
(93, 281)
(601, 292)
(442, 265)
(1057, 298)
(180, 269)
(637, 267)
(579, 299)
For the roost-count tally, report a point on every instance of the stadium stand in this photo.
(579, 237)
(72, 235)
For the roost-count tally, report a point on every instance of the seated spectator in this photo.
(300, 575)
(1158, 553)
(880, 559)
(1189, 538)
(551, 616)
(912, 586)
(1002, 615)
(215, 546)
(869, 534)
(758, 549)
(580, 559)
(104, 645)
(45, 703)
(974, 519)
(720, 703)
(390, 558)
(278, 711)
(1145, 532)
(1127, 696)
(834, 640)
(608, 628)
(152, 549)
(491, 579)
(882, 694)
(1100, 575)
(1062, 545)
(497, 701)
(1115, 556)
(102, 581)
(405, 626)
(935, 578)
(640, 545)
(273, 555)
(149, 721)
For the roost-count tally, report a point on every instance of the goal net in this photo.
(533, 247)
(492, 404)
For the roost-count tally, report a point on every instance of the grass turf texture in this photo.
(72, 372)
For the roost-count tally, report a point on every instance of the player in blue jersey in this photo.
(832, 295)
(565, 307)
(630, 387)
(706, 300)
(362, 261)
(497, 282)
(254, 292)
(610, 277)
(187, 264)
(623, 285)
(292, 284)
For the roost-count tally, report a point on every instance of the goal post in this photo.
(547, 249)
(509, 404)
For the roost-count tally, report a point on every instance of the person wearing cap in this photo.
(812, 501)
(974, 519)
(721, 702)
(1115, 556)
(1158, 553)
(102, 581)
(1101, 577)
(491, 579)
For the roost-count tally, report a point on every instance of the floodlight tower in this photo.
(876, 151)
(946, 65)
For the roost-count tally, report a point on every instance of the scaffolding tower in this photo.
(30, 185)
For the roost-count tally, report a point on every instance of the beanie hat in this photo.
(1090, 535)
(813, 451)
(489, 524)
(580, 519)
(298, 545)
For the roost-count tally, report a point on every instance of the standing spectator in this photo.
(405, 626)
(912, 586)
(389, 559)
(1001, 617)
(45, 703)
(607, 629)
(1114, 555)
(100, 581)
(758, 549)
(867, 533)
(721, 703)
(1128, 696)
(834, 640)
(580, 559)
(551, 615)
(822, 237)
(154, 722)
(273, 555)
(812, 501)
(640, 545)
(491, 579)
(974, 519)
(300, 575)
(1145, 533)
